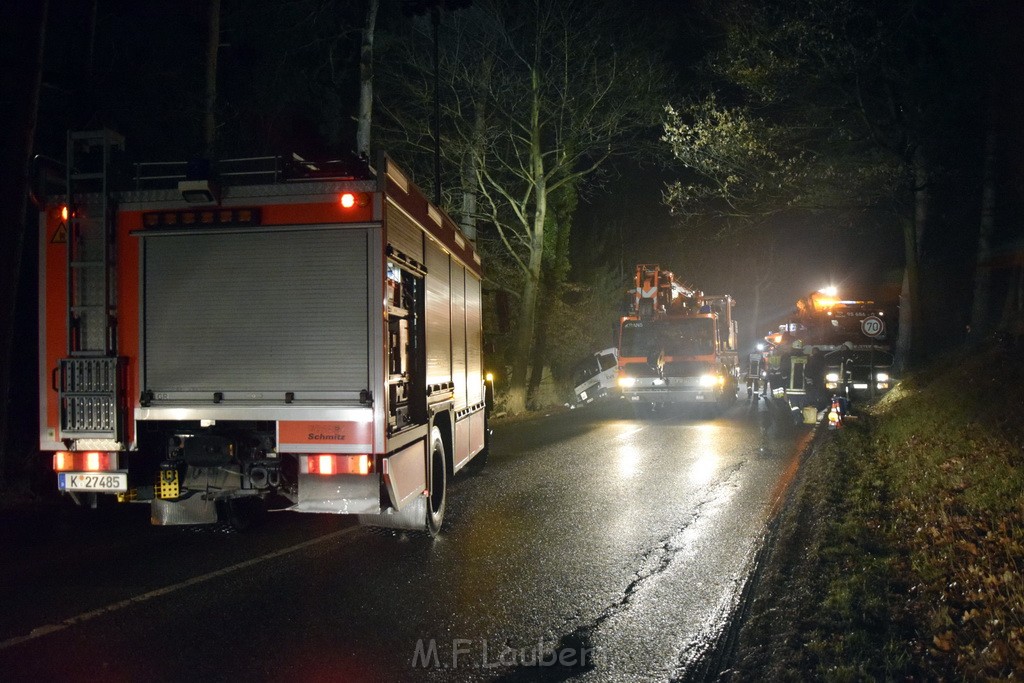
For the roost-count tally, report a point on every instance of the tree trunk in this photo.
(540, 344)
(24, 27)
(982, 266)
(528, 303)
(554, 277)
(474, 157)
(210, 110)
(366, 83)
(908, 344)
(527, 321)
(1012, 321)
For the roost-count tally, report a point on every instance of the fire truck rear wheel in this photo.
(437, 499)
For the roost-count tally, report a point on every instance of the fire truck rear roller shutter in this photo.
(256, 311)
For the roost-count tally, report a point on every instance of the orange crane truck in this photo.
(677, 346)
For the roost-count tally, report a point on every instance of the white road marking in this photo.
(47, 629)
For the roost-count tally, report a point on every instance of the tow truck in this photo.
(854, 337)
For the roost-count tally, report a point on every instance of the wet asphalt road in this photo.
(594, 546)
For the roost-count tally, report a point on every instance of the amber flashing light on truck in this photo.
(349, 200)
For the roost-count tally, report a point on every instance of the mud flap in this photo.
(412, 517)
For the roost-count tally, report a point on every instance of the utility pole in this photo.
(415, 8)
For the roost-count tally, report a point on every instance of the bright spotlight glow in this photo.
(831, 290)
(706, 442)
(704, 468)
(629, 459)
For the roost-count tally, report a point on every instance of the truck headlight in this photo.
(626, 382)
(832, 377)
(711, 380)
(882, 376)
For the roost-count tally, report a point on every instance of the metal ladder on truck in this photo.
(92, 376)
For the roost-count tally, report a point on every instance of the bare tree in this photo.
(539, 97)
(567, 102)
(365, 117)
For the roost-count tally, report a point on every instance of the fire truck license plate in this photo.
(92, 481)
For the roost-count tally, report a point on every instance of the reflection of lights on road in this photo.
(630, 432)
(704, 467)
(629, 458)
(707, 462)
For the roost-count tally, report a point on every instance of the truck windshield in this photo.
(672, 337)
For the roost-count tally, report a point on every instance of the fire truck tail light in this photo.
(348, 200)
(327, 464)
(87, 461)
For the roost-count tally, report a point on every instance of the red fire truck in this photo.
(219, 338)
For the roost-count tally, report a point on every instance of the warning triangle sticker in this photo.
(61, 235)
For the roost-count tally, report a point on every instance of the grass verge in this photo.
(901, 554)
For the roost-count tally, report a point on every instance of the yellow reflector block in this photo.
(167, 484)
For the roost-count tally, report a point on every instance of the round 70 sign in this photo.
(872, 326)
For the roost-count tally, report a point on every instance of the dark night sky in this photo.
(146, 77)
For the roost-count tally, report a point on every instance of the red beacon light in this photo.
(348, 200)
